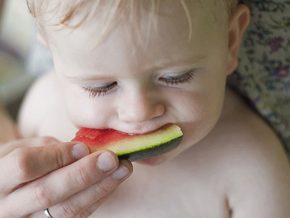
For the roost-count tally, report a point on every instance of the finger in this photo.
(61, 184)
(87, 201)
(28, 142)
(85, 213)
(9, 166)
(29, 163)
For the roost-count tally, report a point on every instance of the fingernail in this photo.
(79, 151)
(121, 172)
(106, 161)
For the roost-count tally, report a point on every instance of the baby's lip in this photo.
(149, 131)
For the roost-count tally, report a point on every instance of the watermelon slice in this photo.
(129, 146)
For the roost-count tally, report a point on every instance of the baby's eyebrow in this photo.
(157, 66)
(181, 61)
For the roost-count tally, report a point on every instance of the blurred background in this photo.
(17, 33)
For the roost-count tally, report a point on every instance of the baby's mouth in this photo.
(147, 132)
(132, 146)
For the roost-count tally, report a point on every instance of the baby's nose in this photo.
(139, 108)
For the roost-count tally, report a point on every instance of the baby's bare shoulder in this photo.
(253, 164)
(43, 95)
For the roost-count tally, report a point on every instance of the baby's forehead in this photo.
(106, 14)
(171, 37)
(66, 11)
(173, 29)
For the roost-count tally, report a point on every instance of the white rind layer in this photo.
(143, 142)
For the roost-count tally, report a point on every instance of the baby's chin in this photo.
(155, 161)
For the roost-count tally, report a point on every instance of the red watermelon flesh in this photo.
(99, 137)
(131, 146)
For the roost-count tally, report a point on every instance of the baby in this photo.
(135, 66)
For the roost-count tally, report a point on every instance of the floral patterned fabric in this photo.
(263, 74)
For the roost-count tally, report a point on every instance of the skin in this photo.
(195, 105)
(213, 178)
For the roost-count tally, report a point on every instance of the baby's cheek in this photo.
(87, 112)
(204, 111)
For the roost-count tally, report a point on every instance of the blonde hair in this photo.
(112, 12)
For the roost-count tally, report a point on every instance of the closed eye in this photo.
(100, 91)
(175, 80)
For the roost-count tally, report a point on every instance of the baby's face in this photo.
(124, 86)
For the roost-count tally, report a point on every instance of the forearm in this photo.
(8, 130)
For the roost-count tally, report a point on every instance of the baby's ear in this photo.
(42, 40)
(237, 26)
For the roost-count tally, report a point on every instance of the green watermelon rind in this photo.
(151, 152)
(148, 141)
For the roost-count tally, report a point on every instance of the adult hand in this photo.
(63, 177)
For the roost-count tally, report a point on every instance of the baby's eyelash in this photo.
(171, 80)
(100, 91)
(174, 80)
